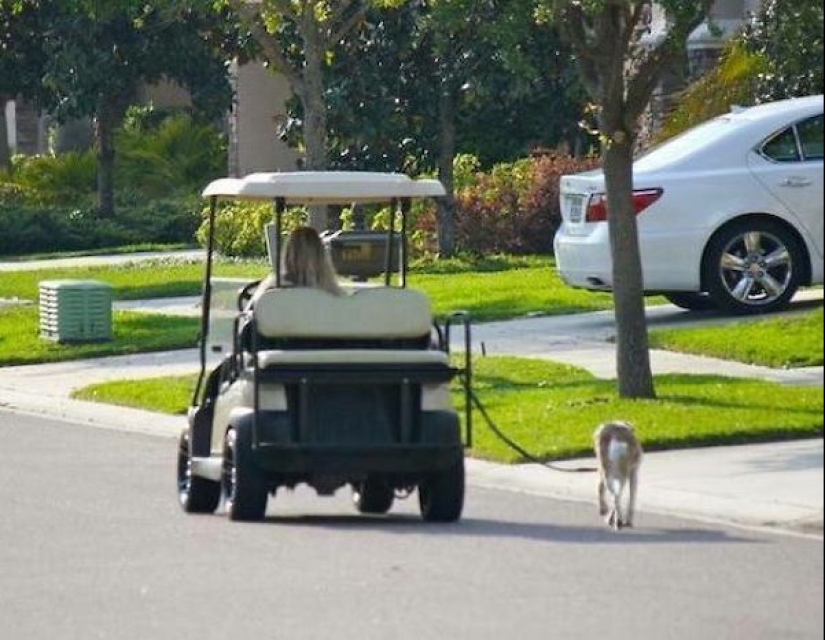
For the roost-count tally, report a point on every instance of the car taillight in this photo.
(597, 209)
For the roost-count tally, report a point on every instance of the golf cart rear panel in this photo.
(349, 375)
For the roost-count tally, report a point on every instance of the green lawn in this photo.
(552, 409)
(20, 342)
(494, 289)
(779, 342)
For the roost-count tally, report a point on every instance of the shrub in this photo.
(173, 155)
(165, 221)
(50, 180)
(515, 208)
(239, 228)
(27, 229)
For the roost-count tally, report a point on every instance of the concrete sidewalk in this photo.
(773, 485)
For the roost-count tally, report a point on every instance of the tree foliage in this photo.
(93, 56)
(21, 58)
(788, 35)
(419, 84)
(734, 81)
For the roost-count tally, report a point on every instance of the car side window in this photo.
(782, 147)
(810, 135)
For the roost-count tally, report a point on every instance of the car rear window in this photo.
(810, 134)
(685, 145)
(782, 147)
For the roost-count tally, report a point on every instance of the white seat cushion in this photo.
(379, 313)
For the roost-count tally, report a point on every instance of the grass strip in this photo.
(779, 342)
(20, 342)
(499, 289)
(552, 409)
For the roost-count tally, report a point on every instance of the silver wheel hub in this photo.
(756, 268)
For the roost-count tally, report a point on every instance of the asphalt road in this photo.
(95, 546)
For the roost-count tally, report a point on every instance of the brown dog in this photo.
(619, 455)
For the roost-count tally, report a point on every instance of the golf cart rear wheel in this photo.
(244, 486)
(441, 494)
(373, 495)
(195, 495)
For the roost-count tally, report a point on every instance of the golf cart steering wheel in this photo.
(245, 294)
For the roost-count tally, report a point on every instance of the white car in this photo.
(729, 212)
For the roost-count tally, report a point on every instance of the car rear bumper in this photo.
(584, 260)
(670, 262)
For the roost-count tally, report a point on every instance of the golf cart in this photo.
(321, 389)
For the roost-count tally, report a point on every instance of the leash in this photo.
(518, 448)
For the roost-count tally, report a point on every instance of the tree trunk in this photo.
(634, 376)
(5, 151)
(315, 112)
(106, 122)
(446, 173)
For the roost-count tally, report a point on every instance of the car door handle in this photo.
(796, 182)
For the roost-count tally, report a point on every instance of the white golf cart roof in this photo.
(324, 187)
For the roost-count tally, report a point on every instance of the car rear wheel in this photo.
(754, 266)
(196, 495)
(244, 486)
(373, 495)
(441, 495)
(691, 301)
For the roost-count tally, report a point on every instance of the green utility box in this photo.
(75, 311)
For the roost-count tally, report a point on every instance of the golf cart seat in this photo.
(380, 318)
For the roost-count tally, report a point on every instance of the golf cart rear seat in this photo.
(377, 337)
(382, 318)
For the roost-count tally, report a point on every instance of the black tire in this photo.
(441, 495)
(374, 496)
(753, 266)
(244, 485)
(195, 495)
(691, 301)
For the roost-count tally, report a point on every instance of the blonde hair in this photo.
(307, 262)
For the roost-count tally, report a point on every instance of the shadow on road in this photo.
(486, 528)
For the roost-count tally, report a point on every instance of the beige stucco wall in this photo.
(260, 102)
(165, 94)
(11, 125)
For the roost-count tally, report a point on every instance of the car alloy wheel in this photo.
(753, 267)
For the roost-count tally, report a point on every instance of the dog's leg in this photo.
(618, 518)
(602, 499)
(631, 505)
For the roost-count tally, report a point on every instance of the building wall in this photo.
(30, 134)
(260, 104)
(11, 128)
(165, 94)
